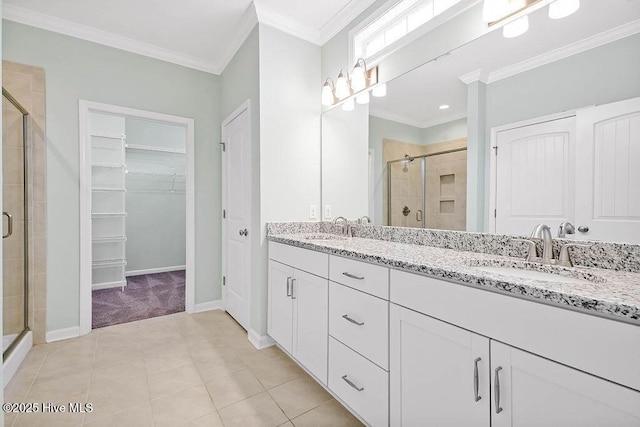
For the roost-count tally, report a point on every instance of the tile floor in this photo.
(176, 370)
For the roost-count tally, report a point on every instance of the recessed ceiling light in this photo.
(443, 107)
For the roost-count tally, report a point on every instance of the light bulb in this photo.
(516, 28)
(363, 98)
(327, 94)
(358, 78)
(563, 8)
(380, 90)
(348, 105)
(342, 86)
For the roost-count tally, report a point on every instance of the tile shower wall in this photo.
(27, 85)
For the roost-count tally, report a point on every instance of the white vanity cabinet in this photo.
(554, 372)
(298, 305)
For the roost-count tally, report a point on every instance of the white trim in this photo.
(493, 163)
(85, 108)
(382, 114)
(245, 106)
(342, 18)
(580, 46)
(109, 285)
(63, 334)
(260, 341)
(473, 76)
(15, 359)
(73, 29)
(273, 19)
(207, 306)
(372, 184)
(155, 270)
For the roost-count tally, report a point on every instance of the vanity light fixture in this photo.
(516, 28)
(494, 11)
(444, 107)
(380, 90)
(357, 83)
(563, 8)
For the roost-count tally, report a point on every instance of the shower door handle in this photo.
(419, 215)
(9, 225)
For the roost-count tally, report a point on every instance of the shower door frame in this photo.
(85, 108)
(422, 158)
(25, 132)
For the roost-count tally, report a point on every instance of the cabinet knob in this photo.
(583, 229)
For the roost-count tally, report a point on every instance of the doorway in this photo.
(137, 215)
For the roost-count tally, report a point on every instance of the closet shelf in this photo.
(159, 191)
(109, 135)
(109, 239)
(152, 148)
(106, 189)
(108, 165)
(108, 214)
(109, 263)
(167, 174)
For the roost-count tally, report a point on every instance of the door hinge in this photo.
(224, 146)
(224, 280)
(495, 213)
(224, 213)
(496, 149)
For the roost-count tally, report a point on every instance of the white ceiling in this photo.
(202, 34)
(414, 97)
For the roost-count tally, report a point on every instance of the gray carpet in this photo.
(145, 296)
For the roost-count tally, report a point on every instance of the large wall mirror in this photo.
(557, 101)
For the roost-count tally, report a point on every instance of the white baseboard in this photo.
(155, 270)
(15, 359)
(260, 341)
(206, 306)
(63, 334)
(109, 285)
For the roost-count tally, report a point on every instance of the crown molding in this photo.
(62, 26)
(580, 46)
(342, 18)
(444, 119)
(386, 115)
(474, 76)
(244, 28)
(269, 17)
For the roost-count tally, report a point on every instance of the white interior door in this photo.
(534, 176)
(236, 134)
(608, 172)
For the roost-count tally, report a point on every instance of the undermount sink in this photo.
(324, 237)
(532, 275)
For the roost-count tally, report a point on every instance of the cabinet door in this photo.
(311, 322)
(280, 309)
(529, 390)
(433, 369)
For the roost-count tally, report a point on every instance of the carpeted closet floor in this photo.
(145, 296)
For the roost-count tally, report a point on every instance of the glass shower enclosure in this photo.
(15, 221)
(428, 191)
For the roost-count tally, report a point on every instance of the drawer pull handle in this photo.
(475, 379)
(293, 289)
(348, 381)
(289, 291)
(355, 322)
(497, 390)
(353, 276)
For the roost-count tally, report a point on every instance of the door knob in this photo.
(244, 232)
(583, 229)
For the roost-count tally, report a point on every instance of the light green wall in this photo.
(241, 81)
(156, 221)
(76, 69)
(454, 129)
(289, 140)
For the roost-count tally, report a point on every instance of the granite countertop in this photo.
(614, 294)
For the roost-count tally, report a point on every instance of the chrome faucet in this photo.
(364, 218)
(566, 228)
(345, 225)
(544, 232)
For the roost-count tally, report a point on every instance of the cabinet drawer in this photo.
(360, 321)
(362, 385)
(369, 278)
(303, 259)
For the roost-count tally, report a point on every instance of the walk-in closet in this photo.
(138, 190)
